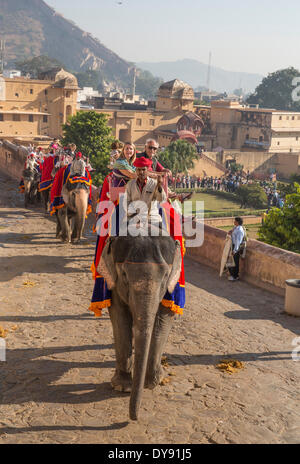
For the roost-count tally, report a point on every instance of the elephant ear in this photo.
(106, 267)
(176, 268)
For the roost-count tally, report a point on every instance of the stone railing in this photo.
(212, 162)
(12, 159)
(264, 266)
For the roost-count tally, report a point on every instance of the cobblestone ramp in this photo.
(55, 383)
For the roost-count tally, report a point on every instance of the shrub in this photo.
(281, 227)
(252, 195)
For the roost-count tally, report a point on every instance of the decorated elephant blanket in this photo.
(171, 222)
(47, 168)
(63, 177)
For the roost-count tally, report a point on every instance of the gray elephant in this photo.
(71, 218)
(139, 271)
(31, 181)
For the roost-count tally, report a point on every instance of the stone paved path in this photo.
(55, 385)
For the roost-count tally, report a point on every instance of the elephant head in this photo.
(76, 201)
(140, 270)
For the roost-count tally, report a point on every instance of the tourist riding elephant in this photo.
(139, 271)
(31, 181)
(71, 218)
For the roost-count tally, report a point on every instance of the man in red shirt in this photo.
(151, 149)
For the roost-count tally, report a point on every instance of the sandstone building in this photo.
(31, 109)
(239, 127)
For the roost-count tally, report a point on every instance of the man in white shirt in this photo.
(147, 190)
(237, 235)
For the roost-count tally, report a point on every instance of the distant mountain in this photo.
(195, 73)
(31, 28)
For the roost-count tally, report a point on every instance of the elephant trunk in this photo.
(143, 328)
(81, 204)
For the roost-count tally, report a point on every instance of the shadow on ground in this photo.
(256, 303)
(26, 376)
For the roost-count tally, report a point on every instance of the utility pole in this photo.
(208, 72)
(134, 83)
(2, 54)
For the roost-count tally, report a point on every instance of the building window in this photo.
(278, 143)
(68, 94)
(297, 138)
(152, 122)
(1, 117)
(16, 117)
(45, 118)
(280, 118)
(30, 118)
(261, 139)
(31, 91)
(138, 122)
(287, 118)
(46, 92)
(16, 95)
(293, 118)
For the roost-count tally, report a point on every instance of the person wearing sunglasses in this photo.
(151, 148)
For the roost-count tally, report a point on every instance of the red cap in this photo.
(79, 155)
(143, 162)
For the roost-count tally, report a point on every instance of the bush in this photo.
(252, 195)
(281, 227)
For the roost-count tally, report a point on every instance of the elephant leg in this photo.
(121, 320)
(58, 226)
(162, 326)
(64, 223)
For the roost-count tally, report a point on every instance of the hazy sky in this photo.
(258, 36)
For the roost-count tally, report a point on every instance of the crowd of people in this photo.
(228, 183)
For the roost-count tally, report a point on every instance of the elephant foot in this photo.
(122, 381)
(75, 241)
(154, 379)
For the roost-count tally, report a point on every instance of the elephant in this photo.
(71, 218)
(139, 271)
(31, 181)
(45, 198)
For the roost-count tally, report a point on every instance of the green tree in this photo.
(275, 91)
(38, 64)
(92, 135)
(235, 167)
(252, 195)
(179, 157)
(281, 227)
(147, 85)
(89, 78)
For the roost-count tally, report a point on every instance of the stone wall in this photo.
(12, 159)
(265, 266)
(228, 221)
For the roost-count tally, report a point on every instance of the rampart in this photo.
(264, 266)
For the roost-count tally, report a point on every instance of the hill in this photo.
(31, 28)
(195, 73)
